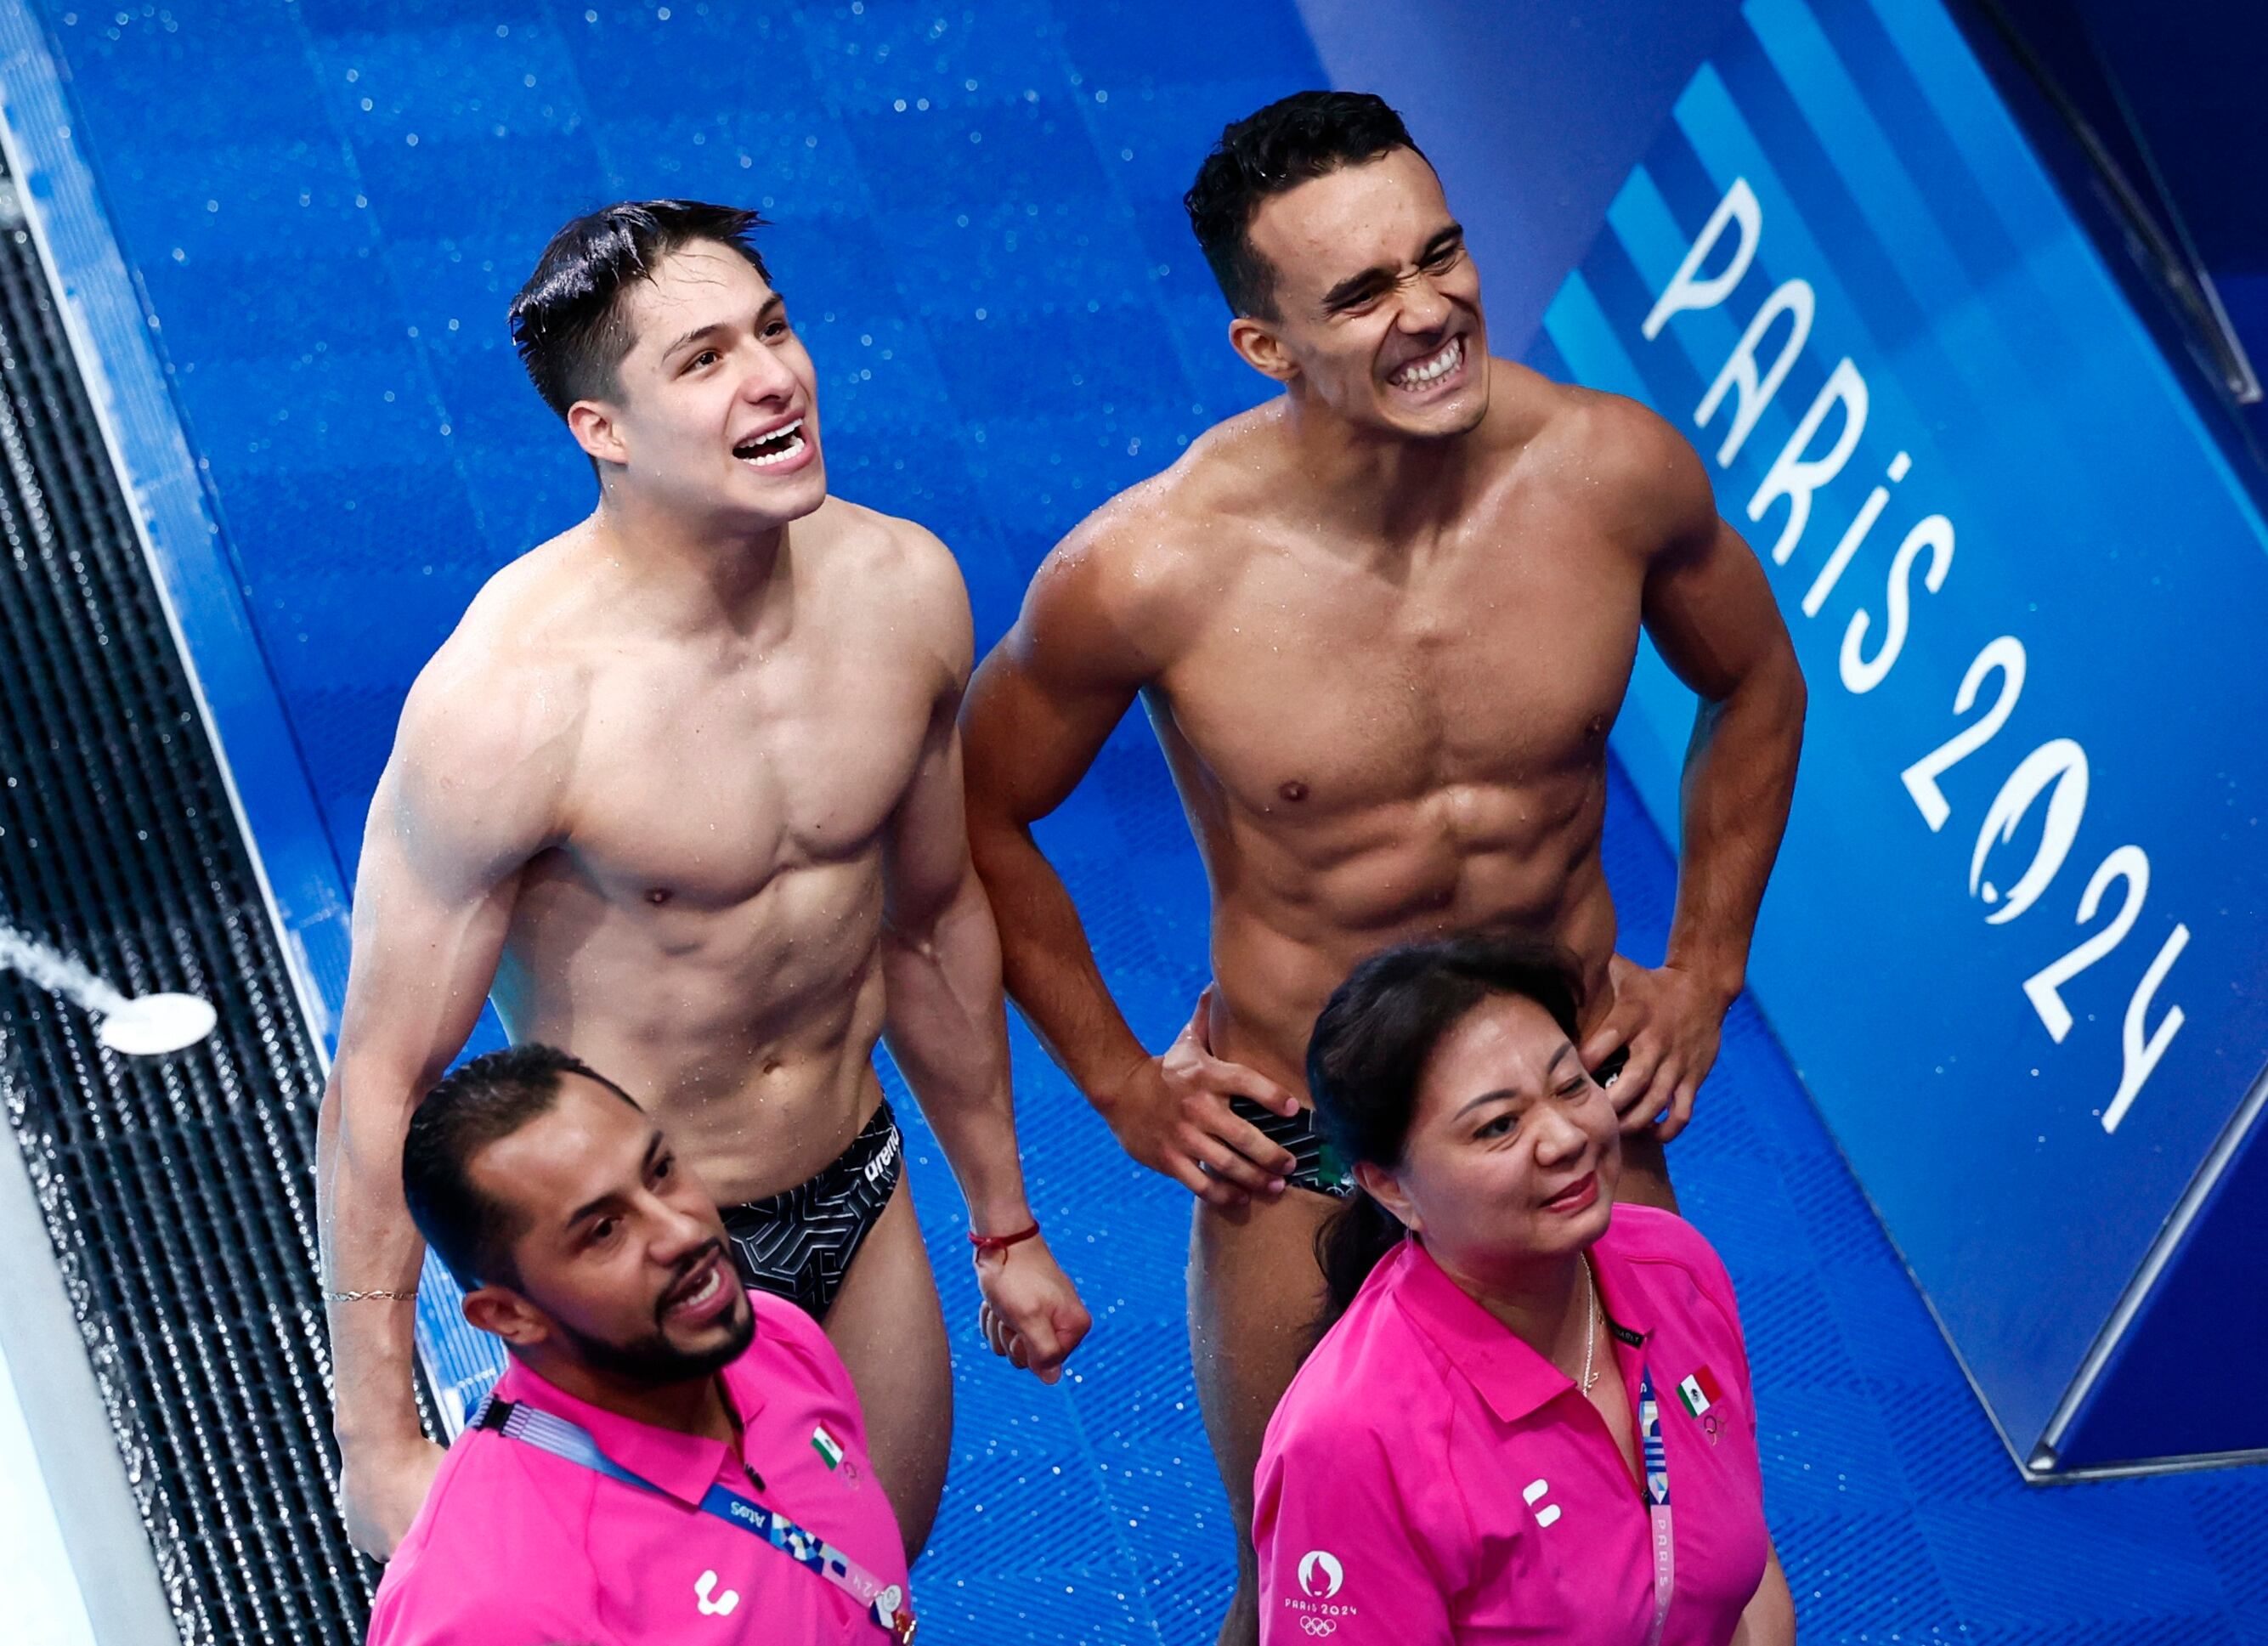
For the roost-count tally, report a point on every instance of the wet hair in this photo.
(567, 321)
(1289, 142)
(1367, 1057)
(484, 1102)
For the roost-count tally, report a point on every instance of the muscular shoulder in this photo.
(903, 570)
(1642, 474)
(504, 684)
(495, 713)
(1136, 580)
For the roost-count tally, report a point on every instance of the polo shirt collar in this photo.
(1509, 1375)
(1622, 1292)
(683, 1466)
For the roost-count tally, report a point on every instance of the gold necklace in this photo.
(1590, 1325)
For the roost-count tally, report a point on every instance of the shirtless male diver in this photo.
(684, 790)
(1381, 625)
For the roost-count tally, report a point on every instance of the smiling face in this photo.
(714, 412)
(618, 1255)
(1377, 303)
(1512, 1155)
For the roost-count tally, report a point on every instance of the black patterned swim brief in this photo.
(1316, 1166)
(798, 1244)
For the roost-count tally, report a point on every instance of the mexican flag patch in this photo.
(1699, 1391)
(830, 1450)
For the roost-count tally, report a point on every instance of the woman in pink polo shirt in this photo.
(1530, 1418)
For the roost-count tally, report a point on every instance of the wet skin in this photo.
(683, 789)
(1381, 627)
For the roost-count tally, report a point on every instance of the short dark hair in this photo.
(567, 320)
(1368, 1054)
(1291, 142)
(484, 1102)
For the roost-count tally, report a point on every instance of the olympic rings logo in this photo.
(1319, 1627)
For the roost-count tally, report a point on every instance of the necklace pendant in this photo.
(1590, 1325)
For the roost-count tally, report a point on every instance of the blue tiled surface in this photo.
(329, 202)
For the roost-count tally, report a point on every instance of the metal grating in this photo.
(178, 1193)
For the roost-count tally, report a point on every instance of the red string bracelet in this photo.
(985, 1243)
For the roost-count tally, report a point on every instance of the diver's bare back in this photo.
(703, 924)
(1374, 742)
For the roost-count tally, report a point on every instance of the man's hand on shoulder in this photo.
(1032, 1313)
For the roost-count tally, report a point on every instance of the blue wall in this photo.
(1534, 114)
(2025, 1073)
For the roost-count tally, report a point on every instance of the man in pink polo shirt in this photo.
(670, 1458)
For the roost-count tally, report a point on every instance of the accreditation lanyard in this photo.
(1656, 1456)
(884, 1604)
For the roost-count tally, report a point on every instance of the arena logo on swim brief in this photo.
(2007, 942)
(876, 1169)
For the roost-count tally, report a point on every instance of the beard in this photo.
(652, 1359)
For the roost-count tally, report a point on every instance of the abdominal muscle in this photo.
(1296, 908)
(747, 1030)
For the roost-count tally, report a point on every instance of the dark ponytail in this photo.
(1353, 1240)
(1369, 1051)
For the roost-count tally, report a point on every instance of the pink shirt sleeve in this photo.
(1714, 1282)
(1339, 1540)
(469, 1612)
(443, 1590)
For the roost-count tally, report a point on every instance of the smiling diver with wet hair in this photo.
(683, 791)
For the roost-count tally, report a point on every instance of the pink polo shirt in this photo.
(517, 1548)
(1429, 1479)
